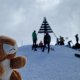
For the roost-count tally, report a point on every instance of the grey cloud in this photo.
(18, 18)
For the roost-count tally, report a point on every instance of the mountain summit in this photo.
(60, 64)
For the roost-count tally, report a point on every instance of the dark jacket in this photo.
(47, 39)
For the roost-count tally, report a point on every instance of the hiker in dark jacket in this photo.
(69, 43)
(62, 40)
(34, 38)
(47, 40)
(77, 38)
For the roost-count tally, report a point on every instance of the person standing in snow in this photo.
(69, 43)
(57, 41)
(47, 40)
(34, 38)
(77, 38)
(62, 40)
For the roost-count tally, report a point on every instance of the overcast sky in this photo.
(18, 18)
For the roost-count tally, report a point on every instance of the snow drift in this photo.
(60, 64)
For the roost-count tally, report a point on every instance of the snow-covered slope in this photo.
(60, 64)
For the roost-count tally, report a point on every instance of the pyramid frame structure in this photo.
(45, 27)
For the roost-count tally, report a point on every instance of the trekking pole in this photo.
(54, 34)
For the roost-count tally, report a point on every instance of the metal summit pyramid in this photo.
(45, 27)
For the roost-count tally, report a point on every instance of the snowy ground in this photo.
(60, 64)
